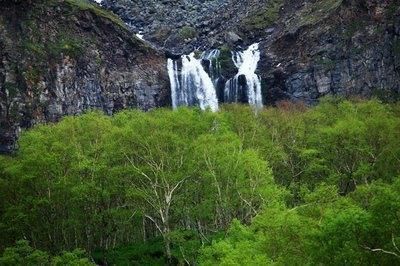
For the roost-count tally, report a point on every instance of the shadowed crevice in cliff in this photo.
(64, 57)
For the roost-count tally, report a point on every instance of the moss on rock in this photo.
(83, 5)
(187, 32)
(67, 45)
(312, 13)
(228, 68)
(263, 18)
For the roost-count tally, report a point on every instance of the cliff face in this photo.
(64, 57)
(309, 48)
(339, 47)
(181, 26)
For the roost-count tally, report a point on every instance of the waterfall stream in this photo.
(191, 85)
(214, 66)
(246, 85)
(194, 81)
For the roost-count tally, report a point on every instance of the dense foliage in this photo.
(289, 185)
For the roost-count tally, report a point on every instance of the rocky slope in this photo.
(341, 47)
(64, 57)
(181, 26)
(310, 48)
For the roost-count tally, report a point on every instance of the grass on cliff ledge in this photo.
(86, 5)
(263, 18)
(312, 13)
(187, 32)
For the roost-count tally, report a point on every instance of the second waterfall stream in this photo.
(192, 85)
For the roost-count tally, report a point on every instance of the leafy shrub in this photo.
(187, 32)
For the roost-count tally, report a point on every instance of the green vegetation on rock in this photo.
(67, 45)
(187, 32)
(312, 13)
(84, 5)
(225, 60)
(264, 17)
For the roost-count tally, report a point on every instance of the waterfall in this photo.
(191, 85)
(214, 66)
(173, 77)
(246, 85)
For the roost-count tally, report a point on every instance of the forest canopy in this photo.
(289, 185)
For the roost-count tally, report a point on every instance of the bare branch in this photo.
(177, 186)
(137, 168)
(394, 243)
(155, 223)
(383, 251)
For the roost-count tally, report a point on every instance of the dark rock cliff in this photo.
(181, 26)
(64, 57)
(310, 48)
(339, 47)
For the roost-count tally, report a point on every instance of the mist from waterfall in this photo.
(194, 81)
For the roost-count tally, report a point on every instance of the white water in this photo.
(191, 85)
(173, 78)
(214, 66)
(140, 35)
(246, 62)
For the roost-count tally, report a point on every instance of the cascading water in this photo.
(191, 85)
(214, 67)
(246, 85)
(174, 81)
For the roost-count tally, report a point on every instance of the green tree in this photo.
(23, 254)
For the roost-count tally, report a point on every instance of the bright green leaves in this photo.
(328, 229)
(341, 236)
(293, 185)
(23, 254)
(359, 142)
(240, 247)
